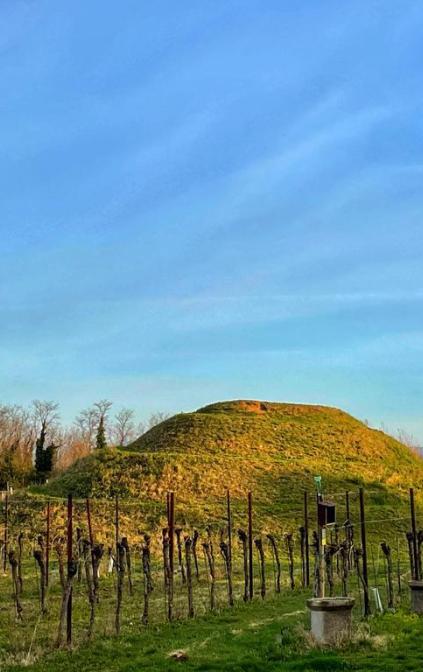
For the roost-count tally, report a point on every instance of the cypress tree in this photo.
(44, 456)
(39, 451)
(101, 442)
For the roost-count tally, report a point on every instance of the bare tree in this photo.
(24, 433)
(45, 416)
(156, 418)
(153, 420)
(102, 408)
(17, 436)
(89, 420)
(123, 429)
(73, 446)
(45, 413)
(86, 424)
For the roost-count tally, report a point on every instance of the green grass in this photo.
(262, 637)
(272, 449)
(260, 623)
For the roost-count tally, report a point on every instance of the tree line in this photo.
(34, 443)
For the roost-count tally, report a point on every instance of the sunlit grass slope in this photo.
(272, 449)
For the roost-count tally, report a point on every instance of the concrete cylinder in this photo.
(416, 590)
(331, 618)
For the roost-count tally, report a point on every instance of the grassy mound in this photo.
(272, 449)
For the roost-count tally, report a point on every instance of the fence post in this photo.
(6, 527)
(414, 530)
(90, 528)
(90, 534)
(307, 550)
(250, 545)
(116, 528)
(321, 550)
(70, 559)
(347, 505)
(364, 549)
(171, 526)
(47, 542)
(229, 517)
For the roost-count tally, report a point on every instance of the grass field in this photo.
(256, 636)
(272, 449)
(260, 637)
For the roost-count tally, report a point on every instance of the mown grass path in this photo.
(262, 637)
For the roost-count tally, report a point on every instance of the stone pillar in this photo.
(416, 590)
(331, 618)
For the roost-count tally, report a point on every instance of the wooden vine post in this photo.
(399, 584)
(224, 549)
(125, 544)
(70, 570)
(243, 539)
(416, 565)
(195, 538)
(89, 522)
(315, 544)
(39, 555)
(120, 568)
(178, 533)
(388, 558)
(290, 547)
(59, 548)
(367, 610)
(345, 567)
(303, 559)
(229, 521)
(79, 551)
(47, 561)
(329, 552)
(166, 563)
(116, 530)
(6, 528)
(409, 537)
(148, 582)
(171, 526)
(250, 547)
(16, 586)
(66, 606)
(96, 555)
(276, 561)
(20, 555)
(87, 558)
(259, 545)
(320, 582)
(188, 548)
(306, 542)
(208, 551)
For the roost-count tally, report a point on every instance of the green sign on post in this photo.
(318, 484)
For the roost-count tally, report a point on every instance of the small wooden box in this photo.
(326, 513)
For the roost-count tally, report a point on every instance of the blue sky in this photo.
(209, 200)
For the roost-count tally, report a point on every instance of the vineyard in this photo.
(76, 570)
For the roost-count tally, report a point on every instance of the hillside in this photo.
(272, 449)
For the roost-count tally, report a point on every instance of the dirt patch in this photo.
(254, 406)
